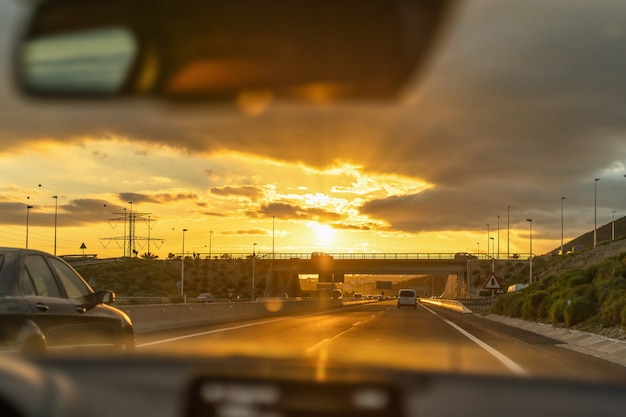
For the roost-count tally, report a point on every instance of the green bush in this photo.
(612, 307)
(557, 311)
(514, 307)
(623, 318)
(578, 310)
(531, 304)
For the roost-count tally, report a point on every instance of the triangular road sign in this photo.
(492, 283)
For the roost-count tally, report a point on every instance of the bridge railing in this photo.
(358, 256)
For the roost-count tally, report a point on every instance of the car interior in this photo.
(239, 56)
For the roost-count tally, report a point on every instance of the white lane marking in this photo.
(325, 341)
(316, 346)
(506, 361)
(243, 326)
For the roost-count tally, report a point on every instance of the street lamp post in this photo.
(562, 198)
(56, 200)
(253, 264)
(488, 237)
(530, 221)
(182, 268)
(210, 242)
(595, 212)
(508, 231)
(124, 243)
(478, 249)
(131, 231)
(149, 228)
(498, 238)
(613, 227)
(27, 216)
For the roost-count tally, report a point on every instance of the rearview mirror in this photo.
(321, 50)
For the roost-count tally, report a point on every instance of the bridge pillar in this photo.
(281, 282)
(456, 286)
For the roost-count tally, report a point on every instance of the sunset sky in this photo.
(522, 104)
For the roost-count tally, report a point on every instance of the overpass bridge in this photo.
(285, 269)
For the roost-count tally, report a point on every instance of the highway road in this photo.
(426, 338)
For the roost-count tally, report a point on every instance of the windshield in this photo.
(279, 228)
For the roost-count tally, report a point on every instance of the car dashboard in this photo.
(158, 386)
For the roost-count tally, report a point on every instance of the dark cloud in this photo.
(345, 226)
(136, 198)
(258, 232)
(156, 198)
(248, 191)
(293, 212)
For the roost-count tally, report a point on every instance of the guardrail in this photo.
(478, 304)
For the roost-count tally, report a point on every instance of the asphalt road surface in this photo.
(426, 338)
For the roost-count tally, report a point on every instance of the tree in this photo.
(149, 255)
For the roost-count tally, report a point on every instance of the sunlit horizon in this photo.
(224, 211)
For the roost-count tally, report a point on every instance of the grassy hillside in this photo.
(589, 297)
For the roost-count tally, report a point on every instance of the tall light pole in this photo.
(56, 200)
(530, 221)
(182, 268)
(488, 237)
(595, 212)
(562, 198)
(124, 243)
(273, 235)
(210, 242)
(498, 237)
(27, 216)
(131, 232)
(613, 227)
(253, 262)
(508, 231)
(478, 248)
(149, 228)
(493, 247)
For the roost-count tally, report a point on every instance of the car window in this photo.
(38, 279)
(74, 286)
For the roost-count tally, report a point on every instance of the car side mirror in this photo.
(223, 50)
(103, 297)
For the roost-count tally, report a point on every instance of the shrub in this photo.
(514, 307)
(611, 308)
(509, 304)
(532, 302)
(578, 310)
(556, 312)
(623, 318)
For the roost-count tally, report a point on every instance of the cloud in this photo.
(156, 198)
(292, 212)
(523, 104)
(248, 191)
(253, 232)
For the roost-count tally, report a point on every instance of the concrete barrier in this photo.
(149, 318)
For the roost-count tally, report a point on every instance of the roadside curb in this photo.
(612, 350)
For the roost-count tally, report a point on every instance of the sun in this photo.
(324, 234)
